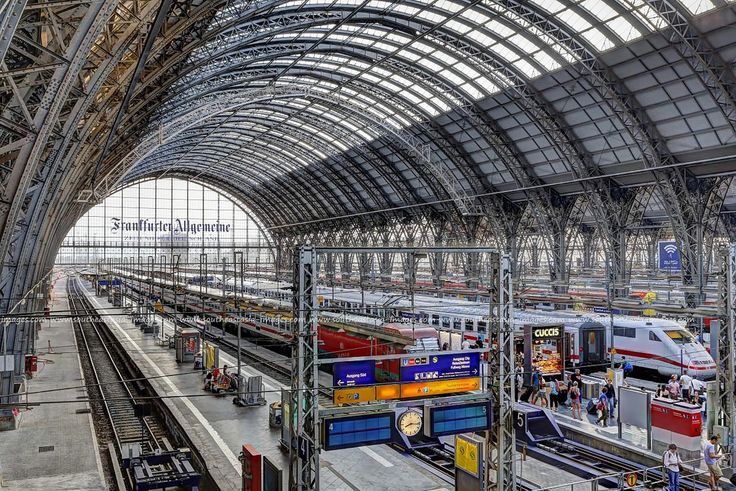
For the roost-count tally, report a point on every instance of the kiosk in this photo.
(544, 349)
(187, 342)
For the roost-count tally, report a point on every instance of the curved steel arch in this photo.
(232, 174)
(367, 189)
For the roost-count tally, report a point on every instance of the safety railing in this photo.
(692, 477)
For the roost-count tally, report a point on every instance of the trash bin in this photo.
(591, 389)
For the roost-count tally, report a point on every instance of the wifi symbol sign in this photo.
(670, 249)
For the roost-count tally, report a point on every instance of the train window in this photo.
(680, 336)
(625, 332)
(481, 325)
(653, 337)
(445, 322)
(457, 323)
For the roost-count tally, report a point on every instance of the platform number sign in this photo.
(631, 479)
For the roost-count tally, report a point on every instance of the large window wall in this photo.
(163, 218)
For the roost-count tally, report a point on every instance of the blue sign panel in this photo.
(356, 431)
(603, 310)
(115, 282)
(350, 373)
(460, 418)
(669, 256)
(436, 367)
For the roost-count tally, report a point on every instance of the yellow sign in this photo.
(158, 307)
(649, 297)
(438, 387)
(609, 375)
(466, 455)
(354, 395)
(649, 312)
(386, 392)
(631, 479)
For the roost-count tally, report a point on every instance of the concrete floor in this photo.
(74, 463)
(219, 428)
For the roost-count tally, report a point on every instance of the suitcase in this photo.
(591, 407)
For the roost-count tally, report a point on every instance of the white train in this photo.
(652, 343)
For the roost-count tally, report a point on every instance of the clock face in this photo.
(410, 422)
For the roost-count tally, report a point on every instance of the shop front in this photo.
(544, 347)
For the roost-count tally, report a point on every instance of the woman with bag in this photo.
(542, 394)
(575, 401)
(603, 408)
(554, 394)
(672, 464)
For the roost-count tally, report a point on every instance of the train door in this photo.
(592, 344)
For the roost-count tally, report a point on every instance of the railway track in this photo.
(439, 459)
(120, 413)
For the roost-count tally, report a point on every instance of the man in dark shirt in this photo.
(576, 377)
(611, 396)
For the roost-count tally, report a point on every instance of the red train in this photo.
(342, 341)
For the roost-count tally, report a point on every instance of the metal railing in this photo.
(648, 478)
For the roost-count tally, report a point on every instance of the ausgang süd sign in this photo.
(176, 226)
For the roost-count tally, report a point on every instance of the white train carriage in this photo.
(660, 344)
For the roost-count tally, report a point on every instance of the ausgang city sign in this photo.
(176, 226)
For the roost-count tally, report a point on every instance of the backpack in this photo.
(601, 404)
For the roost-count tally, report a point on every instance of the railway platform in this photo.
(54, 445)
(218, 428)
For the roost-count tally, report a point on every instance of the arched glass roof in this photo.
(412, 102)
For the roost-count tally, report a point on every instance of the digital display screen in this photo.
(436, 367)
(461, 418)
(356, 431)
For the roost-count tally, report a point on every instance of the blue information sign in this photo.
(357, 431)
(437, 367)
(115, 282)
(351, 373)
(669, 256)
(460, 418)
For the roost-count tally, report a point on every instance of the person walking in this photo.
(577, 377)
(611, 396)
(673, 387)
(711, 456)
(554, 395)
(672, 463)
(628, 367)
(686, 385)
(519, 379)
(542, 395)
(575, 401)
(603, 408)
(535, 384)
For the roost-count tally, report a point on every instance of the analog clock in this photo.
(410, 422)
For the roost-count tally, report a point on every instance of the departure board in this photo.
(458, 418)
(355, 431)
